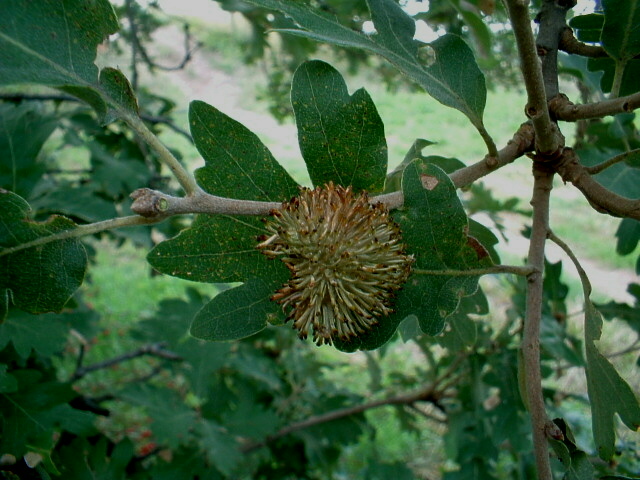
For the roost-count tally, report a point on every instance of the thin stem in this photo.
(594, 170)
(543, 181)
(154, 349)
(617, 78)
(83, 230)
(513, 269)
(492, 150)
(185, 179)
(584, 279)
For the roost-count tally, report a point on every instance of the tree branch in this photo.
(553, 22)
(570, 44)
(155, 204)
(154, 349)
(425, 395)
(520, 143)
(547, 139)
(83, 230)
(543, 182)
(601, 199)
(524, 271)
(185, 178)
(594, 170)
(152, 203)
(562, 109)
(432, 393)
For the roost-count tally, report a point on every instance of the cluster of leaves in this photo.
(230, 399)
(211, 410)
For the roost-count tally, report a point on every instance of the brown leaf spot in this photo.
(481, 252)
(429, 181)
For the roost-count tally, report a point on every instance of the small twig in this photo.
(520, 143)
(634, 347)
(83, 230)
(570, 44)
(618, 73)
(548, 139)
(169, 123)
(154, 206)
(431, 393)
(152, 203)
(543, 183)
(425, 394)
(514, 269)
(188, 52)
(600, 198)
(145, 378)
(584, 279)
(185, 179)
(562, 108)
(594, 170)
(154, 349)
(80, 359)
(427, 415)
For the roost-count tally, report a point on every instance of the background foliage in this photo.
(123, 380)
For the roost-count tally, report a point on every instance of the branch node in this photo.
(491, 161)
(149, 203)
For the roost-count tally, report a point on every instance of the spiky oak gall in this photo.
(346, 259)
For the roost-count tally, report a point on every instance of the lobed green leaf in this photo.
(341, 137)
(241, 311)
(435, 228)
(222, 248)
(237, 163)
(42, 278)
(53, 42)
(608, 392)
(45, 336)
